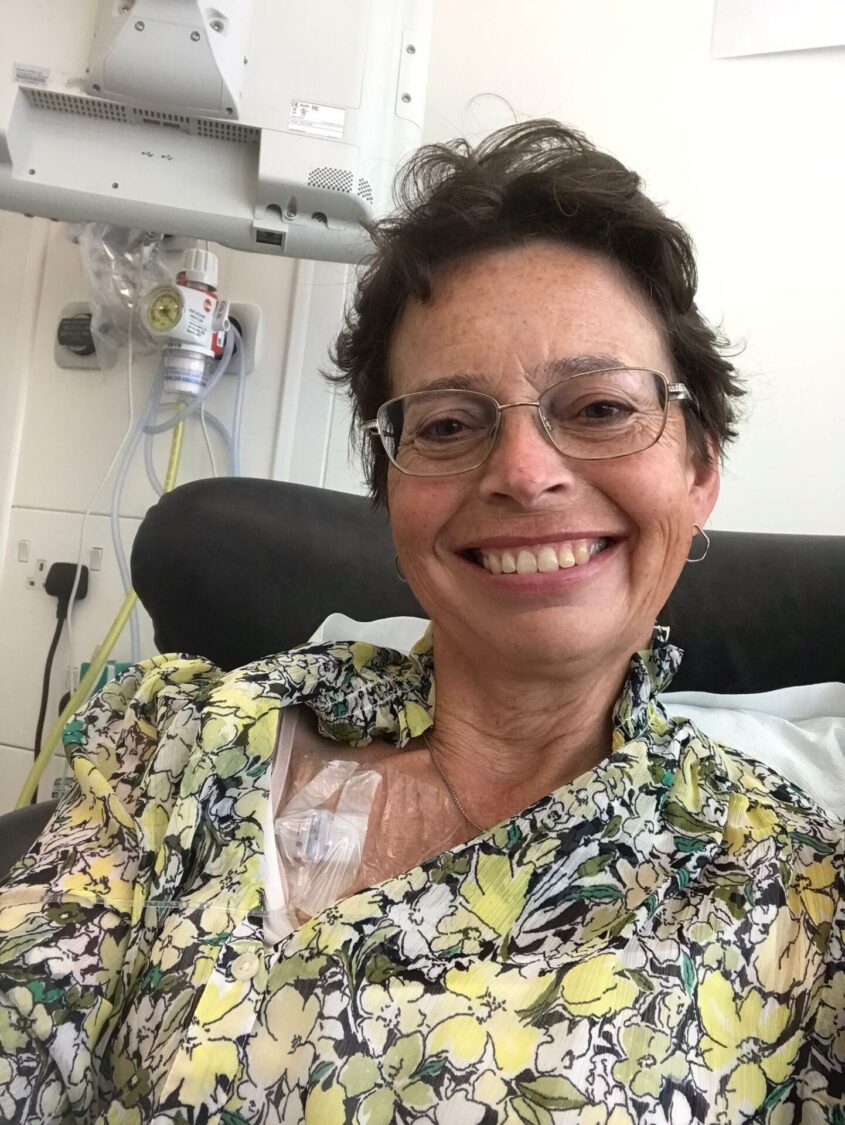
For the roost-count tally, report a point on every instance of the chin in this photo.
(542, 637)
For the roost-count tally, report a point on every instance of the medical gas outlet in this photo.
(194, 322)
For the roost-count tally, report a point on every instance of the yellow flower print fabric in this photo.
(659, 941)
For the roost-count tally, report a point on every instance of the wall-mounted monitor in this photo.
(266, 125)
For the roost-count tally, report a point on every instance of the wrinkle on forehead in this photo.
(485, 310)
(540, 376)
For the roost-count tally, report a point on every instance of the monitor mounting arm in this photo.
(178, 55)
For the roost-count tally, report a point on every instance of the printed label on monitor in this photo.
(317, 120)
(31, 75)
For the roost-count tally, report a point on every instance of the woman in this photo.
(549, 902)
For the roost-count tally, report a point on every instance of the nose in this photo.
(524, 466)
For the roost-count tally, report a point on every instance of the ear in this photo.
(704, 479)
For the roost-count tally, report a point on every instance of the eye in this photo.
(442, 429)
(607, 411)
(591, 410)
(447, 422)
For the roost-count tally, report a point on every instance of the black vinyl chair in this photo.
(237, 569)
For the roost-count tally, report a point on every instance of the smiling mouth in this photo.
(544, 558)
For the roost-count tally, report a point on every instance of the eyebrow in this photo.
(546, 373)
(557, 369)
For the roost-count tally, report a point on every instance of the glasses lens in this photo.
(605, 413)
(432, 433)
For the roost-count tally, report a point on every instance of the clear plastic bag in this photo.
(121, 266)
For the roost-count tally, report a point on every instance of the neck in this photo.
(505, 738)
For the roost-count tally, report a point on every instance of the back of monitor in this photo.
(266, 125)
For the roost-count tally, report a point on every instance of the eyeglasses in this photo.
(591, 416)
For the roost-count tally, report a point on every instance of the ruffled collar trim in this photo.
(362, 691)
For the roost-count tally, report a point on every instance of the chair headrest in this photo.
(236, 569)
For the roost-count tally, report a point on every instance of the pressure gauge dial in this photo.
(164, 308)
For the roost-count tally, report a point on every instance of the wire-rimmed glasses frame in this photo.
(380, 426)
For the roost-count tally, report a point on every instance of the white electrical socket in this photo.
(28, 616)
(38, 577)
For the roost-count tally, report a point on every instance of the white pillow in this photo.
(401, 633)
(798, 731)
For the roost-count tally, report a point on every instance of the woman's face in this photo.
(504, 321)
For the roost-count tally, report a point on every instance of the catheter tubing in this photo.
(114, 514)
(98, 662)
(152, 475)
(195, 403)
(225, 436)
(239, 406)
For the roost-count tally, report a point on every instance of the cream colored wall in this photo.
(748, 153)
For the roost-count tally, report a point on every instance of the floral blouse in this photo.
(661, 940)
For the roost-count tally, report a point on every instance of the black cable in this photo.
(64, 581)
(45, 684)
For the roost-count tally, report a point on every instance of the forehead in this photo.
(528, 314)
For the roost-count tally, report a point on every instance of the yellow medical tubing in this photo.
(98, 662)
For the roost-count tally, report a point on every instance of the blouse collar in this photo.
(362, 691)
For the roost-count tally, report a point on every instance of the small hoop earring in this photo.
(701, 531)
(402, 577)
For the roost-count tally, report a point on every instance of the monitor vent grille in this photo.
(129, 115)
(227, 131)
(82, 107)
(331, 179)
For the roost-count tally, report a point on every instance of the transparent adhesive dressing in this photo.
(343, 820)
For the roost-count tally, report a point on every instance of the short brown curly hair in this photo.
(535, 179)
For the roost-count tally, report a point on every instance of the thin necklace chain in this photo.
(449, 786)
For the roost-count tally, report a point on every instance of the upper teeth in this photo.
(546, 558)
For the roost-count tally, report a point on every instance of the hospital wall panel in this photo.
(28, 614)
